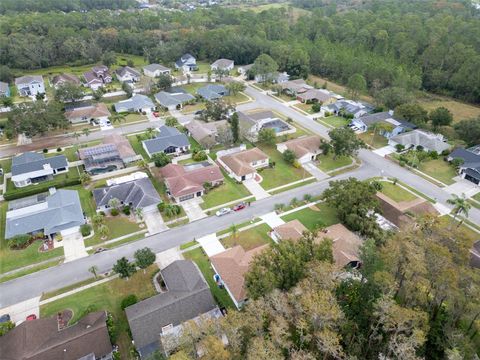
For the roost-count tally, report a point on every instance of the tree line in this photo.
(63, 5)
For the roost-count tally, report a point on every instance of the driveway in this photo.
(73, 246)
(19, 311)
(386, 150)
(463, 187)
(165, 258)
(211, 244)
(193, 210)
(313, 170)
(272, 219)
(255, 189)
(154, 222)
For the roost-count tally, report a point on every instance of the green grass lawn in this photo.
(336, 121)
(249, 239)
(203, 68)
(283, 173)
(193, 87)
(228, 191)
(119, 226)
(312, 219)
(137, 146)
(396, 193)
(377, 141)
(107, 296)
(438, 169)
(238, 98)
(86, 199)
(6, 165)
(287, 188)
(220, 295)
(327, 163)
(73, 172)
(305, 107)
(70, 153)
(188, 109)
(477, 197)
(29, 270)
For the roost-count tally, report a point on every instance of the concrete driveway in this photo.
(73, 246)
(154, 222)
(463, 187)
(211, 245)
(19, 311)
(386, 150)
(313, 170)
(272, 219)
(193, 210)
(256, 189)
(165, 258)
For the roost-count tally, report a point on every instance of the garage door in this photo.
(187, 197)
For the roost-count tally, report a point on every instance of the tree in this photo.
(6, 326)
(109, 58)
(214, 349)
(267, 136)
(460, 206)
(7, 101)
(164, 82)
(98, 219)
(98, 94)
(103, 230)
(124, 268)
(150, 132)
(144, 258)
(171, 121)
(344, 142)
(76, 136)
(216, 110)
(356, 85)
(411, 112)
(235, 127)
(233, 231)
(94, 270)
(289, 156)
(161, 159)
(264, 67)
(85, 178)
(441, 116)
(235, 87)
(114, 203)
(86, 132)
(225, 135)
(469, 131)
(392, 97)
(221, 73)
(127, 89)
(118, 119)
(68, 92)
(139, 213)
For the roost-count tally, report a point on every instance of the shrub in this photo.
(114, 212)
(19, 241)
(399, 147)
(328, 113)
(402, 163)
(45, 151)
(128, 301)
(433, 155)
(112, 330)
(199, 156)
(59, 149)
(85, 229)
(161, 159)
(316, 107)
(126, 210)
(20, 193)
(161, 207)
(289, 156)
(297, 165)
(102, 213)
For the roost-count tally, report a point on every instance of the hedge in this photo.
(40, 188)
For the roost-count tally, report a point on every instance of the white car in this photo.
(223, 211)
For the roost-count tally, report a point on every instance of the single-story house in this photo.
(137, 103)
(292, 230)
(128, 74)
(155, 70)
(231, 266)
(169, 140)
(244, 69)
(62, 79)
(306, 148)
(398, 126)
(87, 112)
(316, 95)
(417, 138)
(50, 338)
(32, 168)
(98, 77)
(206, 133)
(295, 87)
(185, 295)
(187, 182)
(174, 98)
(187, 62)
(223, 64)
(30, 85)
(254, 121)
(58, 211)
(212, 92)
(470, 169)
(276, 78)
(243, 165)
(139, 193)
(4, 89)
(357, 109)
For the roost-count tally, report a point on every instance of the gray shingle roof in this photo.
(28, 79)
(139, 193)
(62, 211)
(427, 140)
(168, 136)
(382, 116)
(187, 297)
(212, 91)
(31, 161)
(222, 63)
(167, 99)
(127, 69)
(155, 67)
(137, 101)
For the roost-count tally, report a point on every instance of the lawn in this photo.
(282, 174)
(131, 118)
(236, 99)
(477, 197)
(319, 216)
(396, 193)
(6, 165)
(188, 109)
(137, 146)
(375, 140)
(305, 107)
(119, 226)
(29, 270)
(193, 87)
(327, 163)
(220, 295)
(249, 239)
(107, 296)
(70, 153)
(459, 110)
(335, 87)
(438, 169)
(228, 191)
(73, 172)
(336, 121)
(203, 67)
(86, 199)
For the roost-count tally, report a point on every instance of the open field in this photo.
(459, 110)
(335, 87)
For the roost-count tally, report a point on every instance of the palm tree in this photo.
(143, 164)
(103, 230)
(150, 132)
(86, 132)
(85, 178)
(76, 135)
(460, 205)
(119, 118)
(279, 207)
(114, 203)
(234, 231)
(98, 219)
(294, 202)
(307, 198)
(94, 270)
(170, 210)
(139, 213)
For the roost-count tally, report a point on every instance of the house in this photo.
(320, 96)
(4, 89)
(306, 148)
(187, 62)
(30, 85)
(49, 338)
(174, 98)
(295, 87)
(52, 213)
(243, 165)
(155, 70)
(188, 182)
(231, 266)
(346, 245)
(470, 168)
(244, 69)
(356, 109)
(275, 78)
(87, 112)
(184, 296)
(137, 194)
(392, 126)
(137, 103)
(212, 92)
(223, 64)
(169, 140)
(128, 74)
(98, 77)
(114, 153)
(292, 230)
(252, 122)
(420, 139)
(206, 133)
(32, 168)
(62, 79)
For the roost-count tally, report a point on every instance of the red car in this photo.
(31, 317)
(239, 207)
(156, 114)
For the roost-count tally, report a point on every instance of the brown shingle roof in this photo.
(66, 78)
(240, 162)
(292, 230)
(304, 145)
(200, 130)
(232, 265)
(315, 94)
(123, 145)
(94, 111)
(346, 244)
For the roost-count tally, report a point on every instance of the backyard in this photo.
(320, 215)
(225, 193)
(396, 193)
(249, 239)
(328, 163)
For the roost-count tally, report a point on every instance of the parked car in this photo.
(31, 317)
(100, 249)
(239, 207)
(156, 114)
(199, 112)
(4, 318)
(223, 211)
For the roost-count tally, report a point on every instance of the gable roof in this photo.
(166, 98)
(90, 112)
(297, 85)
(316, 94)
(252, 118)
(426, 139)
(123, 146)
(304, 145)
(232, 265)
(137, 101)
(387, 116)
(155, 67)
(66, 78)
(168, 136)
(212, 91)
(239, 162)
(346, 244)
(28, 79)
(185, 58)
(139, 193)
(222, 63)
(292, 230)
(32, 161)
(127, 70)
(41, 339)
(349, 106)
(187, 296)
(200, 130)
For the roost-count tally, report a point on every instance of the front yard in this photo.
(375, 140)
(320, 215)
(131, 118)
(396, 193)
(229, 191)
(438, 169)
(336, 121)
(328, 163)
(249, 239)
(137, 146)
(118, 226)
